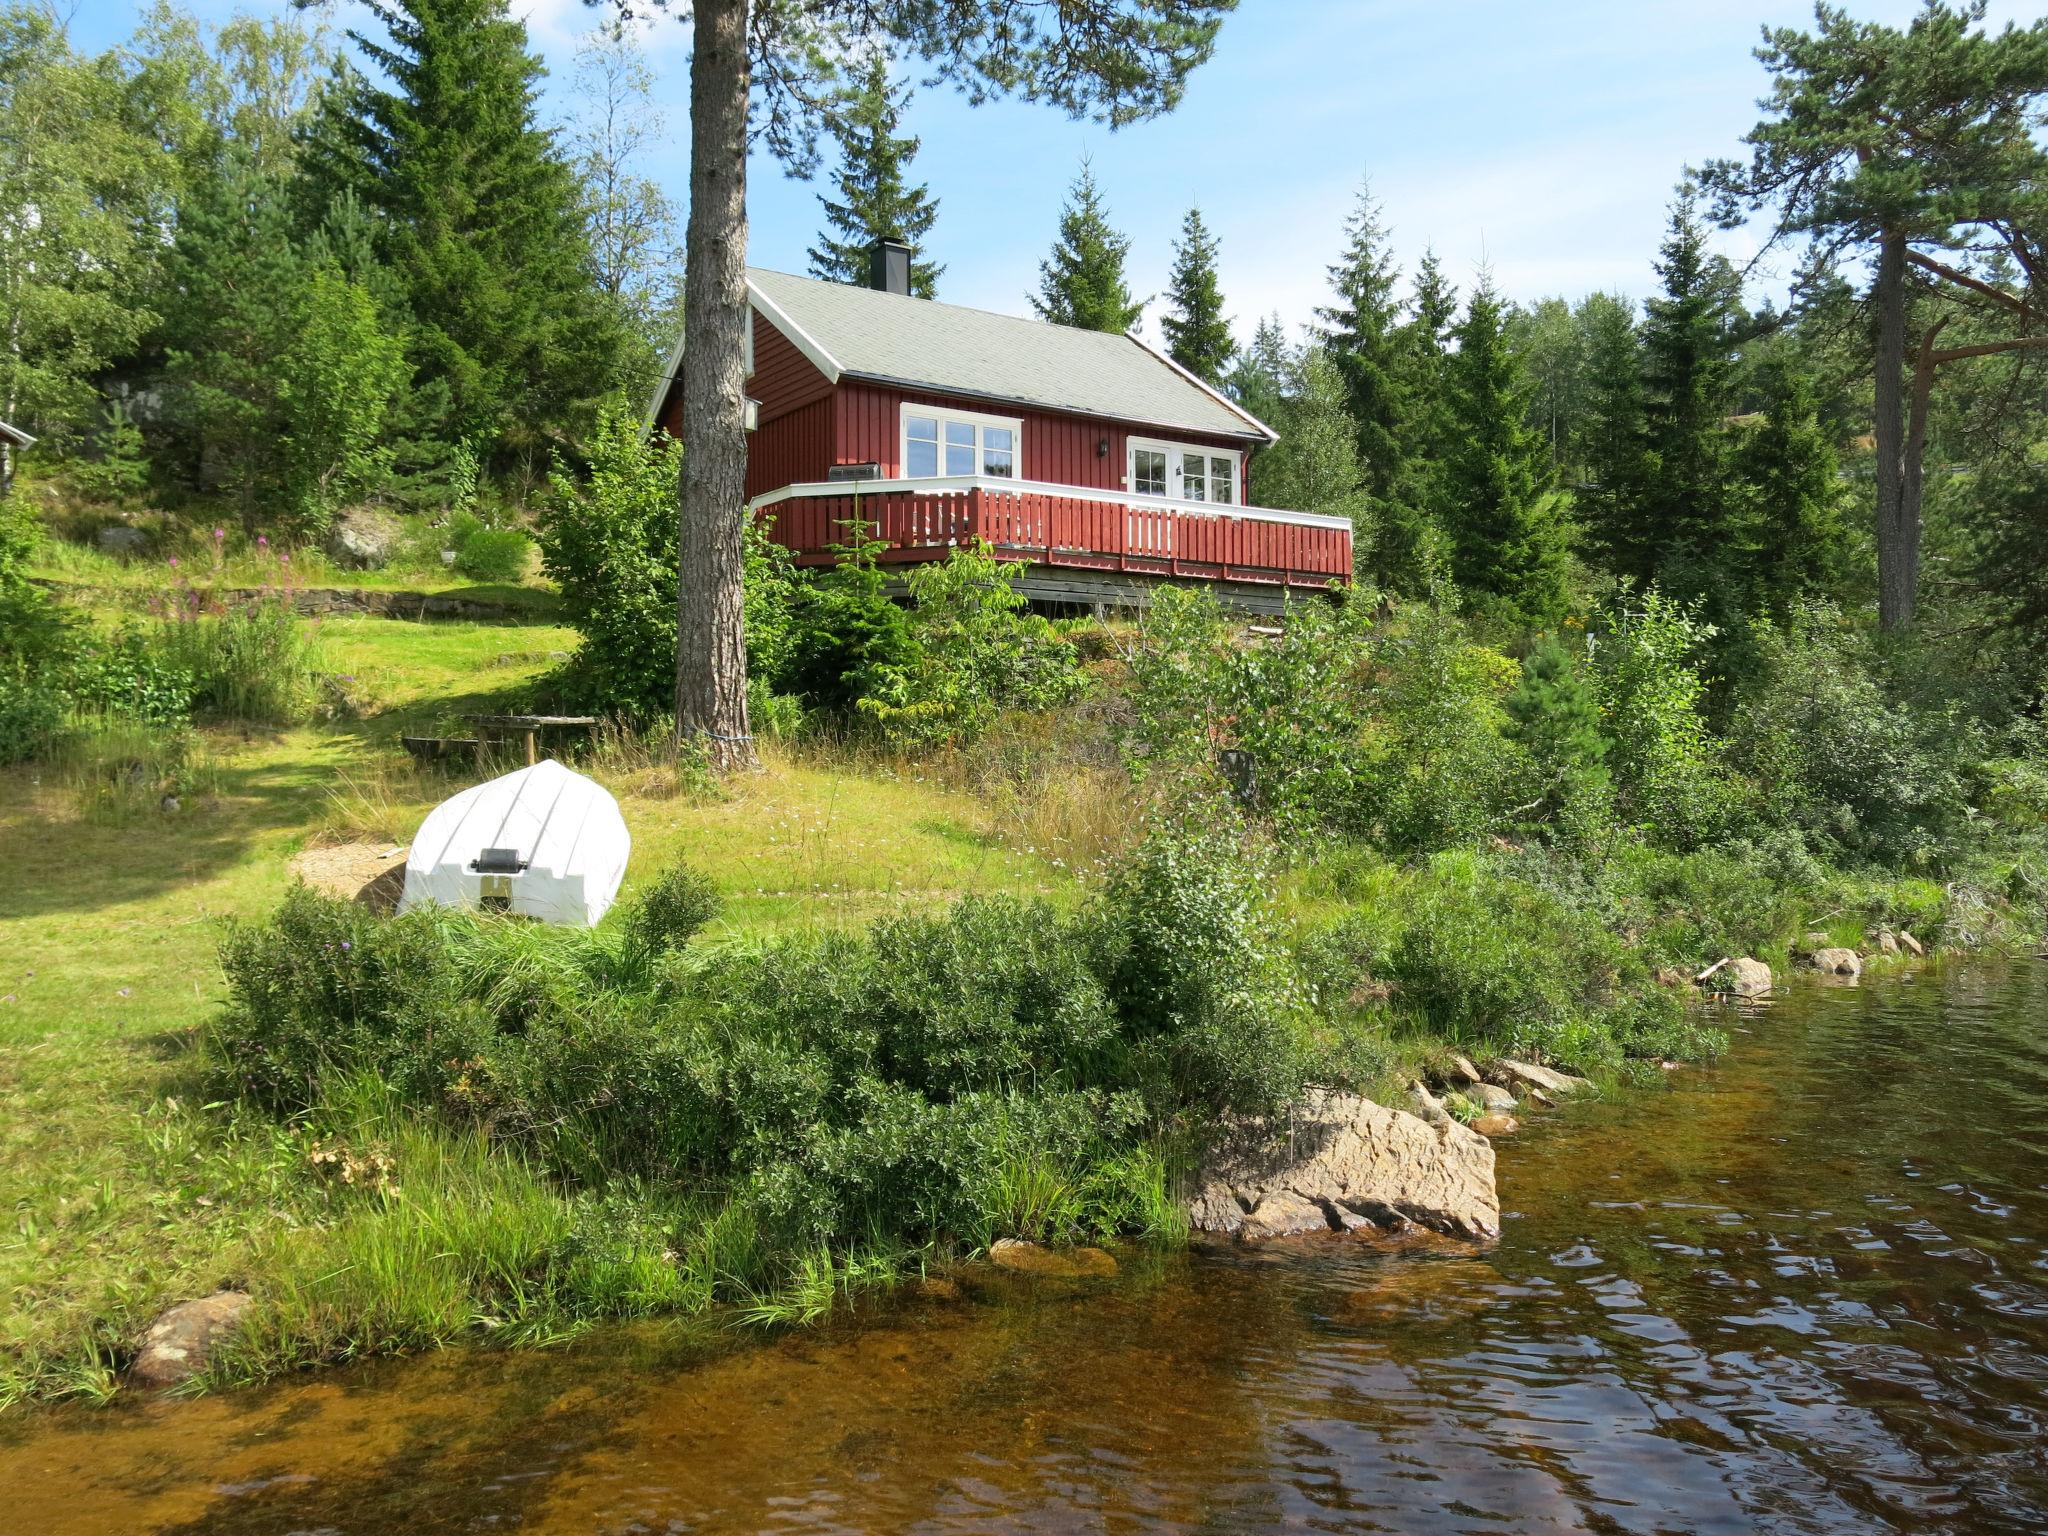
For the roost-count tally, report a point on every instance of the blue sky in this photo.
(1543, 139)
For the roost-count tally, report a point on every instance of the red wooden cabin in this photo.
(1098, 463)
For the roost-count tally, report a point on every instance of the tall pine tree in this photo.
(482, 220)
(875, 201)
(1258, 380)
(1197, 330)
(1314, 467)
(1505, 519)
(1358, 329)
(1082, 282)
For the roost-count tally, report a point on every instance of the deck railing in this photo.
(1062, 525)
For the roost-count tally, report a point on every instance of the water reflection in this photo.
(1805, 1292)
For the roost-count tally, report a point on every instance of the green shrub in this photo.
(1556, 716)
(845, 635)
(493, 554)
(31, 712)
(1860, 776)
(129, 675)
(1668, 773)
(974, 651)
(672, 908)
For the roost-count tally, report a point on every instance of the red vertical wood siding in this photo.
(1061, 449)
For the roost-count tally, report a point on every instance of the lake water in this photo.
(1803, 1291)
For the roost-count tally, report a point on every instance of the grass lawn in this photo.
(117, 1194)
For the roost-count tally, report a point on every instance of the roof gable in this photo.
(951, 349)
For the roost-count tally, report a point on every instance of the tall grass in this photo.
(118, 772)
(252, 662)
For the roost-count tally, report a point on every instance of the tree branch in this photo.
(1986, 349)
(1975, 284)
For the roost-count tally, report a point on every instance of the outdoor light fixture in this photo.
(1102, 448)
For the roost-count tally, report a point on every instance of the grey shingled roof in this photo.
(954, 350)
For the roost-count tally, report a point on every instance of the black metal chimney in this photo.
(889, 267)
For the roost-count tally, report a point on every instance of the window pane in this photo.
(1193, 479)
(922, 458)
(959, 460)
(994, 462)
(1222, 486)
(961, 432)
(924, 427)
(997, 439)
(1148, 472)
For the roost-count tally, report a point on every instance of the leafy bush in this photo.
(493, 554)
(678, 903)
(1857, 774)
(974, 651)
(1556, 717)
(845, 635)
(1668, 773)
(31, 712)
(127, 674)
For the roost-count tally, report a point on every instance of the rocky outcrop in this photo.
(1913, 946)
(181, 1342)
(1836, 962)
(363, 537)
(1341, 1163)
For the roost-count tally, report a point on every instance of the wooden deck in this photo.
(1058, 526)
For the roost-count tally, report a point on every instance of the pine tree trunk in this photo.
(711, 657)
(1898, 523)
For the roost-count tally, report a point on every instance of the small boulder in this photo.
(1491, 1096)
(1887, 942)
(1912, 945)
(1538, 1080)
(1836, 961)
(1028, 1258)
(181, 1342)
(1749, 978)
(121, 540)
(363, 537)
(1338, 1162)
(1463, 1070)
(1496, 1125)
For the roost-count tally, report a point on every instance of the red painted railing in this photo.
(1060, 525)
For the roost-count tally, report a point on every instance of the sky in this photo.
(1539, 138)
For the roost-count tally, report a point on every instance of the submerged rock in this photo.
(1338, 1162)
(1836, 962)
(1748, 977)
(1537, 1080)
(1028, 1258)
(1496, 1125)
(180, 1343)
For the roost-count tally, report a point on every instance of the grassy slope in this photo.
(114, 1197)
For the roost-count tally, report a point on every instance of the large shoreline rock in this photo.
(181, 1342)
(1340, 1163)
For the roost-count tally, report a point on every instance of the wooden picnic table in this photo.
(527, 728)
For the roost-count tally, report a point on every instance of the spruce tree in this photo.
(481, 219)
(1556, 718)
(1787, 469)
(1358, 328)
(1082, 282)
(1409, 552)
(1197, 330)
(1607, 439)
(1686, 507)
(1505, 520)
(1258, 381)
(875, 202)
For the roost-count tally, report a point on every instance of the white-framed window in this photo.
(1185, 472)
(943, 441)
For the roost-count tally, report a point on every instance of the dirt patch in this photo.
(371, 873)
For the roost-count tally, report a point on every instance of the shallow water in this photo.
(1806, 1290)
